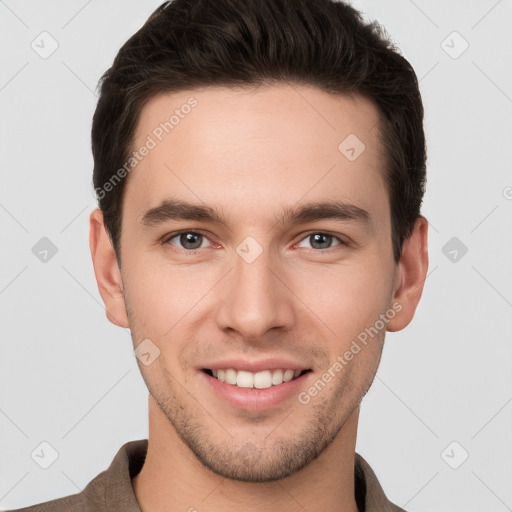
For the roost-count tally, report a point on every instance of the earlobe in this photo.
(411, 275)
(106, 269)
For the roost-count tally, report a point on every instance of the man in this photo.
(260, 167)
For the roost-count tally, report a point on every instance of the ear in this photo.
(106, 269)
(410, 275)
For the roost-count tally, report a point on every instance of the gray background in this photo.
(69, 378)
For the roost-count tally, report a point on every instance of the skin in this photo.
(250, 154)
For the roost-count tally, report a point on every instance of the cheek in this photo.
(164, 296)
(347, 298)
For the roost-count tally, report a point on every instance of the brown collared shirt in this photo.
(112, 491)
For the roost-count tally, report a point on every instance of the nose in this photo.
(255, 298)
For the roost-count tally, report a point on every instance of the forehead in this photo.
(264, 147)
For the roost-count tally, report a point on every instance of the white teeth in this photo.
(230, 376)
(263, 379)
(244, 379)
(277, 377)
(260, 380)
(288, 375)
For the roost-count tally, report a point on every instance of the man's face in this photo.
(262, 290)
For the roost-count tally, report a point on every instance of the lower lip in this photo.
(253, 399)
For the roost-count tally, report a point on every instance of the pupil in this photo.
(318, 237)
(190, 238)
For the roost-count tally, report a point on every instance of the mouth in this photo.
(265, 384)
(258, 380)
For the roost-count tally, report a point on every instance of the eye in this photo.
(189, 240)
(322, 240)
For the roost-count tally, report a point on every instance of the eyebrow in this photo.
(176, 209)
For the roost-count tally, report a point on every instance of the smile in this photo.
(259, 380)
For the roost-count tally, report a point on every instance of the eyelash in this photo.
(168, 238)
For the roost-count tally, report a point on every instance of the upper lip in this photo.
(255, 366)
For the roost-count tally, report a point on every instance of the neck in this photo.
(173, 480)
